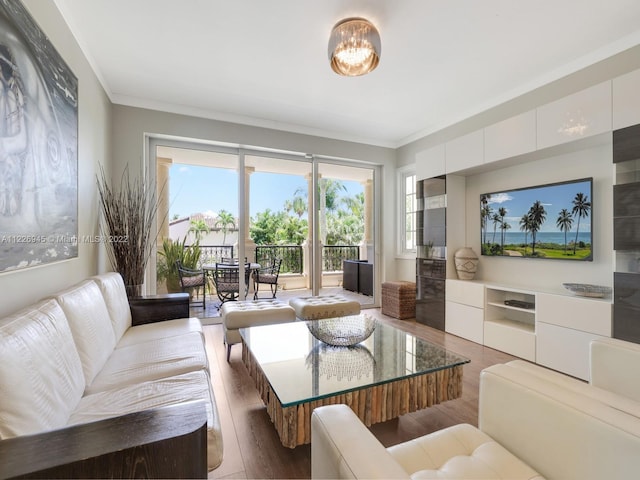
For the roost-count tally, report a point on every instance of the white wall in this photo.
(23, 287)
(546, 274)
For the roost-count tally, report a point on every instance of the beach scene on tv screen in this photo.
(548, 221)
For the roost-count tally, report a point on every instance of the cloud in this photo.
(210, 213)
(500, 198)
(184, 170)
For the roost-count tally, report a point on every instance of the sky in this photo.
(195, 189)
(554, 198)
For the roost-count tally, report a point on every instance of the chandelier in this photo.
(354, 47)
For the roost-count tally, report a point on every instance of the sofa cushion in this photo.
(164, 357)
(90, 323)
(461, 451)
(146, 395)
(158, 330)
(115, 296)
(40, 371)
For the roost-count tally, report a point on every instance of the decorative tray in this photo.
(586, 290)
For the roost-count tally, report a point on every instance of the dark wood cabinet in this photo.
(626, 234)
(626, 306)
(626, 144)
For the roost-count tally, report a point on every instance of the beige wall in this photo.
(23, 287)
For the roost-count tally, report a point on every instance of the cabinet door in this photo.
(430, 163)
(511, 137)
(514, 338)
(578, 313)
(564, 349)
(626, 101)
(464, 321)
(583, 114)
(465, 292)
(465, 152)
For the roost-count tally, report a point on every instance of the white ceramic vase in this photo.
(466, 262)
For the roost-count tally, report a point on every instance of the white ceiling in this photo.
(264, 63)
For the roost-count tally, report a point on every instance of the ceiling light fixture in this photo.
(354, 47)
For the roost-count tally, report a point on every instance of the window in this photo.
(407, 211)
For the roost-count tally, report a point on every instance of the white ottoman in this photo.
(237, 315)
(326, 306)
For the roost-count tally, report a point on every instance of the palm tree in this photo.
(496, 221)
(224, 221)
(564, 223)
(504, 226)
(581, 208)
(198, 228)
(329, 200)
(502, 212)
(298, 205)
(525, 226)
(485, 214)
(537, 215)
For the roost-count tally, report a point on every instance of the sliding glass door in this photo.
(316, 214)
(345, 239)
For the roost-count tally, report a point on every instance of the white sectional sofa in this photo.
(533, 423)
(77, 358)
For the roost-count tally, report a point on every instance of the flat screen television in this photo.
(552, 221)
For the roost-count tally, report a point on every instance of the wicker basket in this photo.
(399, 299)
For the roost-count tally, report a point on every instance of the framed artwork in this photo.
(38, 146)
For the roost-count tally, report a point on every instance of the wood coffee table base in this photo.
(372, 404)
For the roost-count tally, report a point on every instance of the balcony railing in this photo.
(333, 255)
(292, 256)
(215, 253)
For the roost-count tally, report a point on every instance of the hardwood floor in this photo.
(251, 445)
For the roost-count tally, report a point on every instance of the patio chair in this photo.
(191, 280)
(226, 279)
(268, 276)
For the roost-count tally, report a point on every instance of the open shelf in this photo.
(508, 323)
(510, 328)
(511, 307)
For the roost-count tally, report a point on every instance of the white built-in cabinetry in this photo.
(510, 138)
(464, 309)
(430, 162)
(465, 152)
(583, 114)
(626, 101)
(550, 329)
(565, 327)
(510, 328)
(595, 110)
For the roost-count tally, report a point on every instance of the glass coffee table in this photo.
(387, 375)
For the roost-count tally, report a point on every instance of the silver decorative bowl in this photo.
(586, 290)
(342, 331)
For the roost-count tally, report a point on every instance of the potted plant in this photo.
(171, 252)
(128, 211)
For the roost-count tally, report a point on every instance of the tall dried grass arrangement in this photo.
(127, 214)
